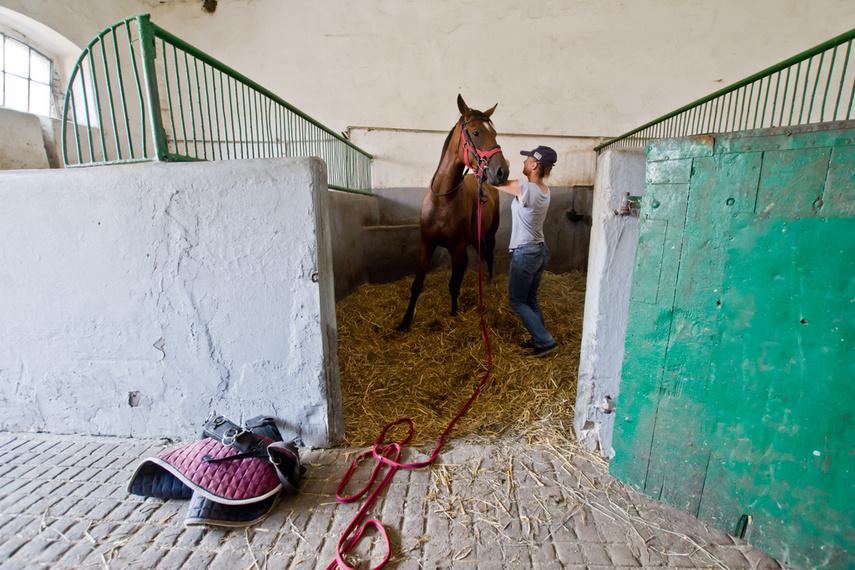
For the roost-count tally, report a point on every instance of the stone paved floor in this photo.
(482, 505)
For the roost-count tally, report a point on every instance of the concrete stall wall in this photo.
(614, 238)
(139, 298)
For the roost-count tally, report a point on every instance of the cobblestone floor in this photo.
(482, 505)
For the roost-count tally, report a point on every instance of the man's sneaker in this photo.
(541, 352)
(527, 344)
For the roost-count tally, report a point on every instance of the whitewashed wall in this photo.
(559, 68)
(138, 298)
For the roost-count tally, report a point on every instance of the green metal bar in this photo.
(249, 150)
(149, 53)
(795, 88)
(238, 140)
(225, 122)
(110, 96)
(169, 96)
(827, 84)
(207, 107)
(192, 107)
(842, 78)
(837, 40)
(851, 98)
(748, 105)
(775, 98)
(180, 101)
(815, 84)
(86, 108)
(122, 91)
(784, 97)
(139, 86)
(216, 122)
(70, 94)
(69, 104)
(804, 92)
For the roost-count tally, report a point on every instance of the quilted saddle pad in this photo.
(181, 472)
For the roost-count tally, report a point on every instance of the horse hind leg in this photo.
(425, 254)
(459, 262)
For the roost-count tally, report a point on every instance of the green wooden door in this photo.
(739, 376)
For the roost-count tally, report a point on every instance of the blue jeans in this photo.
(527, 265)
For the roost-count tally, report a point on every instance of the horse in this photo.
(449, 211)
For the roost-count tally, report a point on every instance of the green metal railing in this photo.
(138, 93)
(815, 86)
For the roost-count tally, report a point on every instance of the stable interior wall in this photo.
(139, 298)
(602, 68)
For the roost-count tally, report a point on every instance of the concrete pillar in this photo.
(611, 258)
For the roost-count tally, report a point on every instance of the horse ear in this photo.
(489, 111)
(461, 105)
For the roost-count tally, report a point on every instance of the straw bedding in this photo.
(428, 373)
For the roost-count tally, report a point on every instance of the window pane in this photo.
(40, 99)
(17, 58)
(39, 68)
(16, 93)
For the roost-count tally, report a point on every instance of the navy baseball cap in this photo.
(542, 154)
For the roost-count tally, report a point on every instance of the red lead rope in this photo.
(389, 455)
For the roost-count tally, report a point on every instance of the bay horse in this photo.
(449, 212)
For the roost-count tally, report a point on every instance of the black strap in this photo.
(278, 454)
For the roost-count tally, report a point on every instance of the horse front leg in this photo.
(489, 245)
(426, 250)
(459, 262)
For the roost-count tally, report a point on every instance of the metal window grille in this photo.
(815, 86)
(139, 93)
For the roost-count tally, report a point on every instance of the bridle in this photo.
(483, 157)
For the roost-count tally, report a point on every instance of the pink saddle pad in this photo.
(236, 482)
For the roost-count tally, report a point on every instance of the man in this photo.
(529, 253)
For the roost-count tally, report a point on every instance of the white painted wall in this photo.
(579, 68)
(138, 298)
(611, 258)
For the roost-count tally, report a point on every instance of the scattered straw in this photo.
(428, 373)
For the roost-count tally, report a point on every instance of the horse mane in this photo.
(480, 115)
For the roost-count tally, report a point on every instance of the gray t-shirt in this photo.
(528, 211)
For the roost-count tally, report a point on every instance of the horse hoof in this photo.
(403, 327)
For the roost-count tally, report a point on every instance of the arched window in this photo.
(26, 78)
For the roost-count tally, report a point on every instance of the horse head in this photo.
(477, 147)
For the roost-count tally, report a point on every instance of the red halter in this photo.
(483, 155)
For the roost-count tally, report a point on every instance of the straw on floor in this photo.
(428, 373)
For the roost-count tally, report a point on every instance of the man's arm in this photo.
(512, 188)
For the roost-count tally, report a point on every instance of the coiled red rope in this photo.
(388, 455)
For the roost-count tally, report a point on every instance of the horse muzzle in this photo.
(497, 170)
